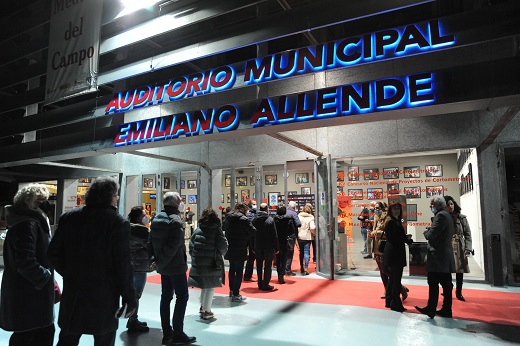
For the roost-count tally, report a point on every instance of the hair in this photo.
(102, 191)
(136, 214)
(264, 207)
(172, 198)
(28, 194)
(241, 207)
(307, 208)
(209, 215)
(292, 205)
(250, 203)
(456, 207)
(228, 209)
(281, 210)
(439, 200)
(390, 205)
(381, 205)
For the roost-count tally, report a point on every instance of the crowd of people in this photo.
(104, 259)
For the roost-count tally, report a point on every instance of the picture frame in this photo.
(306, 191)
(434, 191)
(192, 199)
(241, 181)
(271, 179)
(412, 172)
(183, 198)
(245, 195)
(227, 180)
(412, 192)
(353, 173)
(252, 180)
(371, 174)
(148, 207)
(374, 194)
(273, 199)
(433, 170)
(411, 212)
(183, 184)
(166, 183)
(148, 183)
(391, 173)
(340, 176)
(222, 199)
(393, 189)
(355, 194)
(192, 184)
(290, 193)
(301, 178)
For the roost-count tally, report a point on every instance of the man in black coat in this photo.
(291, 211)
(250, 264)
(91, 251)
(440, 262)
(27, 296)
(266, 246)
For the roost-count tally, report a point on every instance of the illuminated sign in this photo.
(385, 44)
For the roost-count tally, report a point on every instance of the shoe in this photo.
(426, 311)
(238, 299)
(281, 280)
(383, 296)
(250, 280)
(290, 273)
(367, 256)
(364, 252)
(399, 309)
(181, 339)
(230, 294)
(135, 327)
(208, 315)
(444, 313)
(459, 296)
(306, 272)
(404, 294)
(166, 338)
(267, 288)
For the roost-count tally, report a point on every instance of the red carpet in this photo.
(483, 306)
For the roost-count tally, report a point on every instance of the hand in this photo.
(277, 252)
(153, 266)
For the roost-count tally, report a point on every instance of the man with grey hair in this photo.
(291, 211)
(439, 261)
(167, 233)
(27, 295)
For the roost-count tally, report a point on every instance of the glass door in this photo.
(325, 204)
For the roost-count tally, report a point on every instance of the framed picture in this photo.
(412, 192)
(227, 180)
(412, 172)
(222, 199)
(148, 183)
(241, 181)
(353, 173)
(271, 179)
(434, 191)
(84, 180)
(393, 189)
(166, 183)
(245, 195)
(340, 176)
(301, 178)
(183, 198)
(273, 199)
(371, 174)
(433, 170)
(306, 190)
(374, 193)
(192, 184)
(148, 207)
(391, 173)
(192, 199)
(411, 212)
(355, 194)
(290, 193)
(252, 180)
(183, 184)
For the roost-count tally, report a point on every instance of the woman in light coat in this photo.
(305, 235)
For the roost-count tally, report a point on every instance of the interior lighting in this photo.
(131, 6)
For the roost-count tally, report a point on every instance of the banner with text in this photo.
(73, 59)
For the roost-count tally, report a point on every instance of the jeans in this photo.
(173, 283)
(206, 298)
(236, 269)
(139, 283)
(364, 234)
(41, 336)
(108, 339)
(264, 264)
(305, 253)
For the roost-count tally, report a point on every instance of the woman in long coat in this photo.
(207, 244)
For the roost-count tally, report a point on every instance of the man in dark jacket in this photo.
(27, 296)
(238, 230)
(167, 232)
(250, 264)
(440, 262)
(266, 246)
(291, 211)
(91, 251)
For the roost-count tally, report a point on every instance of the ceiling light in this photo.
(131, 6)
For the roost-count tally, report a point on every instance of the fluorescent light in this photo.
(135, 5)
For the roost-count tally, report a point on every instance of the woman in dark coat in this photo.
(206, 244)
(284, 228)
(238, 230)
(394, 257)
(27, 296)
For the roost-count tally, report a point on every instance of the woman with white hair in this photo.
(27, 294)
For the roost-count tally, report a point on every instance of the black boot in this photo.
(281, 279)
(458, 294)
(135, 327)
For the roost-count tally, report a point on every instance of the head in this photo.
(137, 214)
(241, 208)
(281, 210)
(437, 203)
(292, 205)
(452, 206)
(379, 208)
(251, 204)
(228, 209)
(172, 199)
(264, 207)
(31, 196)
(307, 208)
(372, 205)
(103, 192)
(209, 215)
(395, 209)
